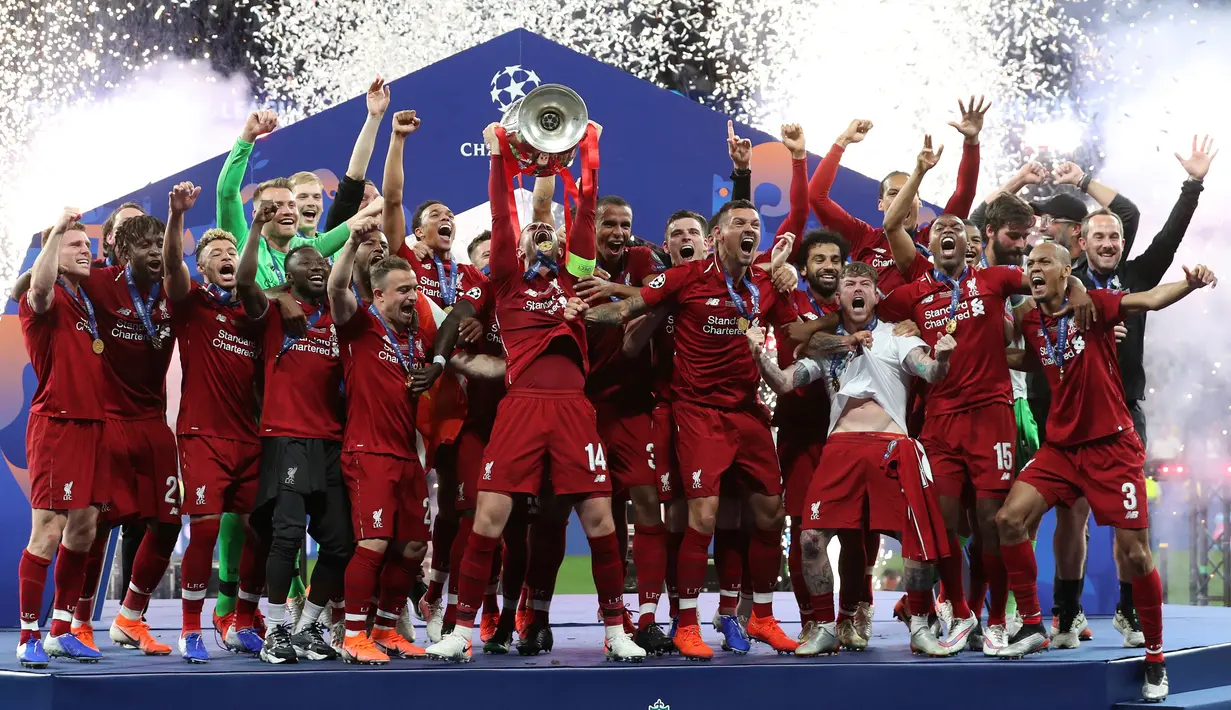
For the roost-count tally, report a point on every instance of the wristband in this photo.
(1084, 185)
(440, 360)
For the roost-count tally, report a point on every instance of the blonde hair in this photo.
(276, 183)
(302, 177)
(211, 236)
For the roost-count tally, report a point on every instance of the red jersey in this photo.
(303, 385)
(613, 375)
(978, 369)
(808, 406)
(869, 244)
(430, 276)
(482, 395)
(530, 312)
(380, 411)
(714, 366)
(219, 353)
(662, 350)
(1087, 403)
(71, 378)
(137, 364)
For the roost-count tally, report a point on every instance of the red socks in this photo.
(397, 578)
(694, 557)
(456, 554)
(674, 540)
(444, 531)
(951, 577)
(148, 568)
(608, 577)
(516, 555)
(764, 561)
(852, 566)
(547, 542)
(871, 551)
(795, 568)
(68, 577)
(32, 574)
(476, 566)
(822, 608)
(976, 596)
(729, 565)
(1023, 573)
(83, 615)
(196, 568)
(998, 581)
(360, 581)
(920, 601)
(650, 559)
(252, 559)
(1148, 598)
(490, 604)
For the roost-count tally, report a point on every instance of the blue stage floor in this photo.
(1097, 675)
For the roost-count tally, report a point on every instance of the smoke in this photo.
(1167, 83)
(91, 150)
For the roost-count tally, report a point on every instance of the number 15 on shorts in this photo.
(1004, 459)
(598, 462)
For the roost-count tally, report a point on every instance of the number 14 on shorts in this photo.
(598, 461)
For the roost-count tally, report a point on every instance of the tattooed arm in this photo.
(608, 314)
(798, 374)
(922, 365)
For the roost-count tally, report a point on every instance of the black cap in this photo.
(1062, 205)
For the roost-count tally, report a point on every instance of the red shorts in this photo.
(628, 441)
(388, 497)
(1109, 472)
(63, 456)
(220, 475)
(469, 464)
(145, 481)
(666, 466)
(799, 453)
(976, 445)
(850, 489)
(540, 429)
(716, 444)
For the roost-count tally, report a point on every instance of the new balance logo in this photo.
(1131, 515)
(600, 478)
(201, 495)
(377, 523)
(68, 490)
(1004, 476)
(712, 302)
(666, 482)
(487, 470)
(290, 475)
(696, 479)
(815, 512)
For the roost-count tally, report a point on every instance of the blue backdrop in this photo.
(660, 151)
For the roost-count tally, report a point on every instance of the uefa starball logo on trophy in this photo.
(544, 133)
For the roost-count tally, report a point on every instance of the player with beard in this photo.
(547, 362)
(135, 323)
(1091, 447)
(621, 392)
(216, 426)
(871, 244)
(969, 430)
(58, 323)
(722, 430)
(381, 349)
(868, 368)
(301, 433)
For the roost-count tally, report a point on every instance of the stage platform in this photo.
(1099, 675)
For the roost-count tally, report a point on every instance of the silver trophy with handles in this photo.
(544, 128)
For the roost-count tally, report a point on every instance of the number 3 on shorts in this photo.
(597, 458)
(1130, 496)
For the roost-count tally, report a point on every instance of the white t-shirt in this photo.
(878, 374)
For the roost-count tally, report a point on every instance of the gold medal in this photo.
(448, 309)
(97, 346)
(835, 383)
(951, 326)
(410, 381)
(742, 323)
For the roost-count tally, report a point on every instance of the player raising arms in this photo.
(64, 439)
(545, 417)
(216, 427)
(1091, 449)
(722, 430)
(381, 348)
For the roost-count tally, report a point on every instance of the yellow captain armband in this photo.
(579, 267)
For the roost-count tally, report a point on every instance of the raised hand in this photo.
(756, 340)
(421, 250)
(264, 212)
(490, 138)
(927, 158)
(793, 139)
(1200, 276)
(67, 216)
(782, 251)
(972, 118)
(259, 123)
(378, 97)
(405, 123)
(1032, 173)
(740, 149)
(1068, 173)
(182, 197)
(1199, 163)
(944, 348)
(855, 132)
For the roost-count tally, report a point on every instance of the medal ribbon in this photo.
(1100, 284)
(143, 308)
(838, 363)
(82, 300)
(815, 306)
(1056, 351)
(273, 261)
(447, 281)
(740, 306)
(404, 357)
(955, 289)
(221, 295)
(288, 341)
